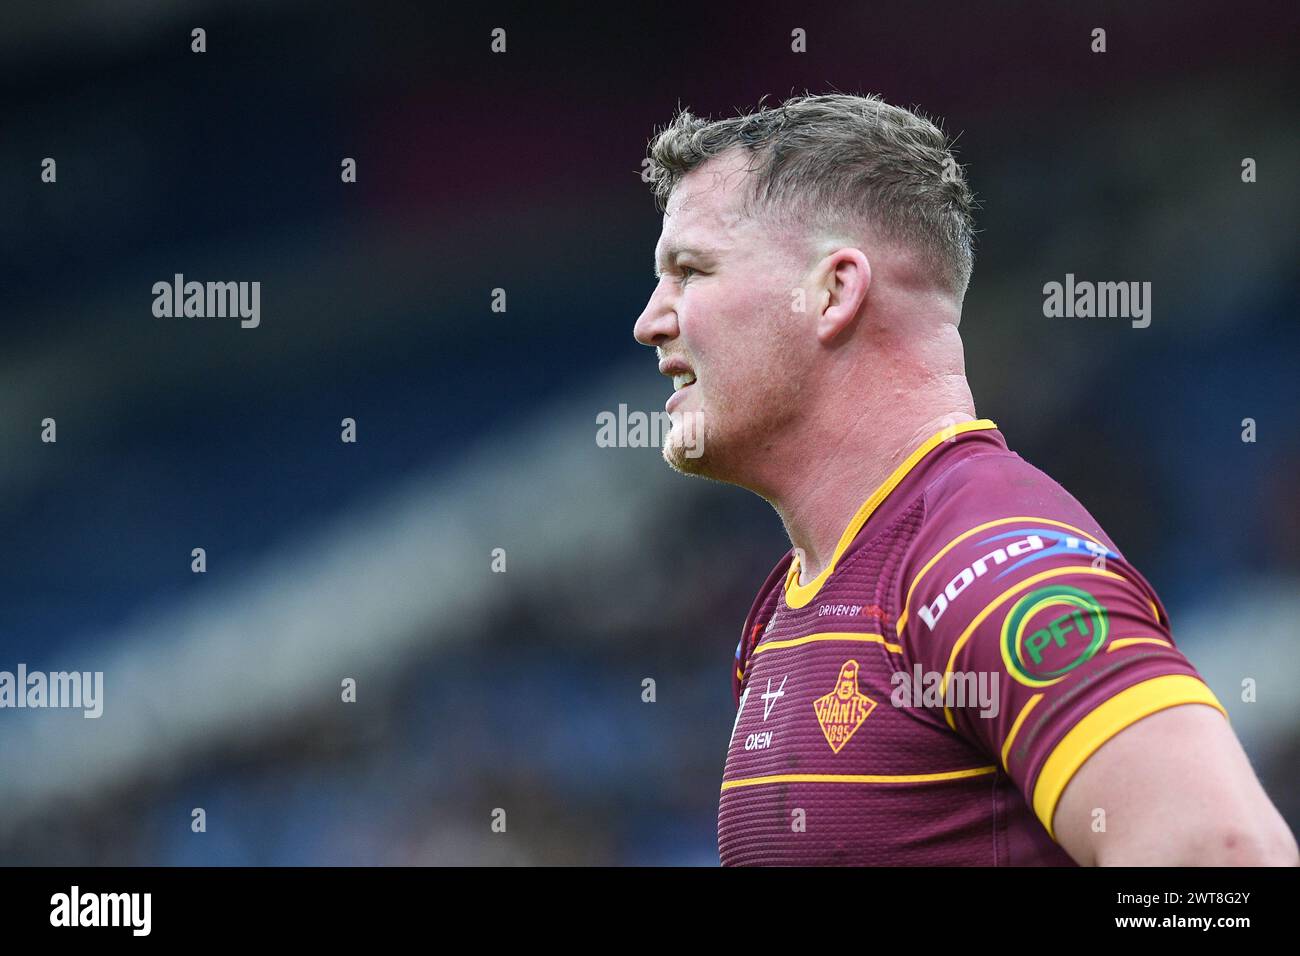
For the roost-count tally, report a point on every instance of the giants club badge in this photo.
(841, 712)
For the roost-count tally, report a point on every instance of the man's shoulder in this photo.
(988, 522)
(998, 487)
(994, 525)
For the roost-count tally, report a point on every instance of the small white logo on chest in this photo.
(769, 698)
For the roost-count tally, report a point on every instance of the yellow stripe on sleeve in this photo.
(1130, 641)
(1015, 728)
(1105, 721)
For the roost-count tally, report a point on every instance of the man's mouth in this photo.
(682, 379)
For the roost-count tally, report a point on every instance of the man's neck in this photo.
(821, 492)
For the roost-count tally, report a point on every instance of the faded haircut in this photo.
(838, 161)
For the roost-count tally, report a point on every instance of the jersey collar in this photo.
(799, 595)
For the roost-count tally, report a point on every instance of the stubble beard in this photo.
(722, 445)
(686, 448)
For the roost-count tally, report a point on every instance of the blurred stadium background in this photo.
(477, 430)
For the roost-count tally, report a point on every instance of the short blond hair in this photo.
(839, 159)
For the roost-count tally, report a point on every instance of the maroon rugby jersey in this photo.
(925, 700)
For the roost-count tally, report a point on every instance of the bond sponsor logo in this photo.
(1033, 544)
(841, 712)
(932, 610)
(1060, 543)
(1050, 632)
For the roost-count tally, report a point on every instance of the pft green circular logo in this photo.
(1050, 632)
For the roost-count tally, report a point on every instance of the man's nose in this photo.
(658, 321)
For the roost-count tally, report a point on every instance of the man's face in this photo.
(846, 687)
(722, 311)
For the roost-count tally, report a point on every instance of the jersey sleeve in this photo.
(1042, 640)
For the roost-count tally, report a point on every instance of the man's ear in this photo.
(844, 277)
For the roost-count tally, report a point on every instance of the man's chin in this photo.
(684, 450)
(683, 459)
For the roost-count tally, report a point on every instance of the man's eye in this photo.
(684, 270)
